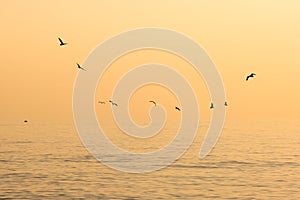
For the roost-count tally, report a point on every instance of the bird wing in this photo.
(80, 67)
(247, 78)
(153, 102)
(60, 40)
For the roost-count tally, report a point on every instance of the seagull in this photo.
(62, 43)
(79, 67)
(225, 104)
(153, 102)
(211, 106)
(113, 103)
(102, 102)
(177, 108)
(250, 76)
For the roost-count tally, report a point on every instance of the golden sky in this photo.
(37, 75)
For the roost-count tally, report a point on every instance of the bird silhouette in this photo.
(79, 67)
(101, 102)
(153, 102)
(113, 103)
(250, 76)
(25, 121)
(177, 108)
(211, 106)
(61, 43)
(225, 104)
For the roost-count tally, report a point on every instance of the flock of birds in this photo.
(62, 43)
(177, 108)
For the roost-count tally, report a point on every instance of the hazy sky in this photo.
(37, 75)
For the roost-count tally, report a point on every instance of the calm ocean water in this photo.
(252, 160)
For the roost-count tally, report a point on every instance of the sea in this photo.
(252, 160)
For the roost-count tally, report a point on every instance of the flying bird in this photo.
(250, 76)
(225, 104)
(153, 102)
(113, 103)
(102, 102)
(177, 108)
(61, 43)
(79, 67)
(211, 106)
(25, 121)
